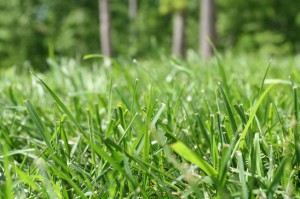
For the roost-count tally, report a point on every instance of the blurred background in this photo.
(33, 30)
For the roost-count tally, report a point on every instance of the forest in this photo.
(149, 99)
(32, 30)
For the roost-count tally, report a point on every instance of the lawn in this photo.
(163, 128)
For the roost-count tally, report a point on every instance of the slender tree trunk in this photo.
(178, 34)
(132, 14)
(207, 27)
(132, 9)
(105, 37)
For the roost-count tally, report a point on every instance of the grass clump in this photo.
(158, 128)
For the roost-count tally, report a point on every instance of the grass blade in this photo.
(242, 175)
(39, 124)
(192, 157)
(61, 105)
(241, 141)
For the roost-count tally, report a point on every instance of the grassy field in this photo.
(164, 128)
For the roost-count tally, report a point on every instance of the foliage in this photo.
(151, 128)
(33, 30)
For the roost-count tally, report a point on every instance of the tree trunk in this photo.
(132, 14)
(178, 34)
(132, 9)
(105, 37)
(207, 27)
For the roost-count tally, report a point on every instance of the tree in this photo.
(207, 27)
(178, 39)
(178, 8)
(105, 26)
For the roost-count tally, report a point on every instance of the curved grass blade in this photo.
(192, 157)
(241, 141)
(61, 105)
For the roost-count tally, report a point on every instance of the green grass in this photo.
(151, 129)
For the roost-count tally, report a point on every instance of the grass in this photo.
(167, 128)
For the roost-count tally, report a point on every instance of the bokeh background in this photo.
(33, 30)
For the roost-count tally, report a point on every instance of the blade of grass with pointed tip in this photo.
(192, 157)
(241, 141)
(39, 124)
(229, 112)
(61, 105)
(264, 78)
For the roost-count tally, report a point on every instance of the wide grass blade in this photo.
(194, 158)
(7, 173)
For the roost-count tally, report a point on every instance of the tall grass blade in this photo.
(229, 111)
(61, 105)
(7, 173)
(264, 78)
(242, 175)
(241, 142)
(295, 125)
(39, 124)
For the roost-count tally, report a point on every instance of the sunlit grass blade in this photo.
(258, 156)
(7, 172)
(264, 78)
(39, 124)
(252, 116)
(229, 112)
(192, 157)
(61, 105)
(242, 175)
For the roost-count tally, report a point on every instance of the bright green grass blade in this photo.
(61, 105)
(264, 78)
(64, 135)
(157, 115)
(192, 157)
(242, 175)
(8, 175)
(39, 124)
(27, 178)
(92, 56)
(258, 156)
(241, 141)
(70, 181)
(295, 125)
(229, 112)
(277, 178)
